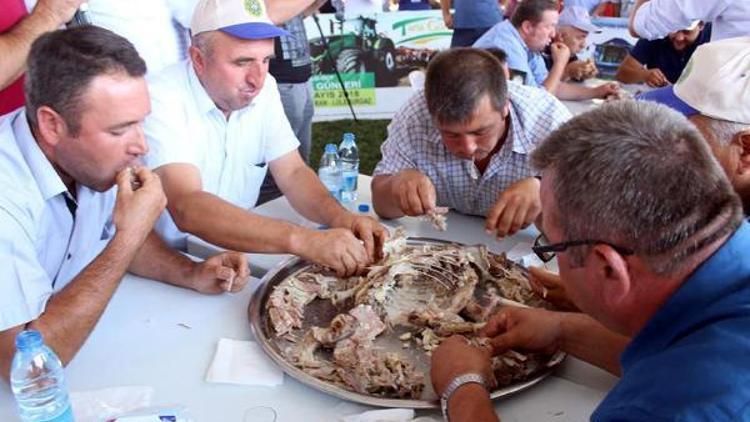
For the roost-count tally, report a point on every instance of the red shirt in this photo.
(11, 97)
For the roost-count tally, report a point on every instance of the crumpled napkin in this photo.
(98, 405)
(244, 363)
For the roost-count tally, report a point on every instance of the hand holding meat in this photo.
(516, 208)
(368, 230)
(454, 357)
(225, 272)
(414, 192)
(548, 285)
(560, 52)
(656, 78)
(607, 90)
(525, 329)
(136, 211)
(337, 249)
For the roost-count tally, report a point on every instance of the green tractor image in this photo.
(363, 50)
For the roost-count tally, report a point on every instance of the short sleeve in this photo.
(406, 128)
(657, 18)
(25, 286)
(280, 138)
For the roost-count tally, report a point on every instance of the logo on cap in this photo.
(254, 7)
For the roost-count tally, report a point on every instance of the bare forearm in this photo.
(574, 92)
(471, 402)
(157, 261)
(588, 340)
(445, 6)
(221, 223)
(553, 81)
(72, 314)
(280, 11)
(631, 71)
(15, 44)
(310, 198)
(383, 201)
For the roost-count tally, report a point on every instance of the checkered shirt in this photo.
(295, 46)
(414, 142)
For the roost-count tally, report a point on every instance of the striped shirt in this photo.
(414, 142)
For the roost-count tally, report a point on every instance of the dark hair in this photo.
(499, 54)
(639, 175)
(62, 63)
(531, 10)
(457, 79)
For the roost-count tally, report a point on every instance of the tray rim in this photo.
(255, 308)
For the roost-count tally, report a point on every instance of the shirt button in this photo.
(70, 256)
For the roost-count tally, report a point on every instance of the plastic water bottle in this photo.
(38, 381)
(329, 171)
(349, 167)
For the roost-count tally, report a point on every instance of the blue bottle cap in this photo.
(331, 148)
(28, 339)
(363, 208)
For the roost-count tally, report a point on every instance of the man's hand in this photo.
(414, 192)
(136, 211)
(530, 329)
(366, 229)
(59, 11)
(606, 90)
(448, 20)
(337, 249)
(516, 208)
(560, 52)
(456, 357)
(548, 285)
(655, 78)
(225, 272)
(581, 69)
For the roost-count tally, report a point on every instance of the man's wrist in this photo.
(465, 399)
(457, 383)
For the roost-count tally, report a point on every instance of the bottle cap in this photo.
(363, 208)
(331, 149)
(28, 339)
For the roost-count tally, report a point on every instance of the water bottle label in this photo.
(350, 182)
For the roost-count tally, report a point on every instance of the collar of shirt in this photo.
(725, 272)
(47, 178)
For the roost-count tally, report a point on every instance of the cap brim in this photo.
(588, 27)
(254, 31)
(667, 97)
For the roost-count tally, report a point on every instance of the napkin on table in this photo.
(244, 363)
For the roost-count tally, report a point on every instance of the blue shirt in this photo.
(476, 13)
(692, 359)
(660, 54)
(414, 5)
(520, 59)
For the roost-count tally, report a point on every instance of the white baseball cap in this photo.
(715, 82)
(246, 19)
(577, 17)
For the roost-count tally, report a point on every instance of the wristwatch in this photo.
(454, 385)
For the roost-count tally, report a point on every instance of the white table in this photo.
(140, 341)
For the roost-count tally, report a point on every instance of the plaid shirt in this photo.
(414, 142)
(295, 46)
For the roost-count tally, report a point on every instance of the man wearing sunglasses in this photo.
(652, 247)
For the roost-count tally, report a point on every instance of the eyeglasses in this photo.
(546, 251)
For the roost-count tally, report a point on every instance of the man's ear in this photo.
(527, 27)
(742, 140)
(611, 270)
(196, 57)
(51, 126)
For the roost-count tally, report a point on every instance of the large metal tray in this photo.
(320, 312)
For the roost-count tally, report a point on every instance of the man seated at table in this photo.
(573, 28)
(660, 268)
(660, 62)
(464, 143)
(524, 37)
(67, 234)
(217, 125)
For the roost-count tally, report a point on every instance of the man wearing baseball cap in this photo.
(218, 125)
(660, 62)
(573, 27)
(714, 93)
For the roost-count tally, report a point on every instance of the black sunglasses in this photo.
(546, 251)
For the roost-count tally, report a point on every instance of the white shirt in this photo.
(729, 18)
(185, 126)
(42, 247)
